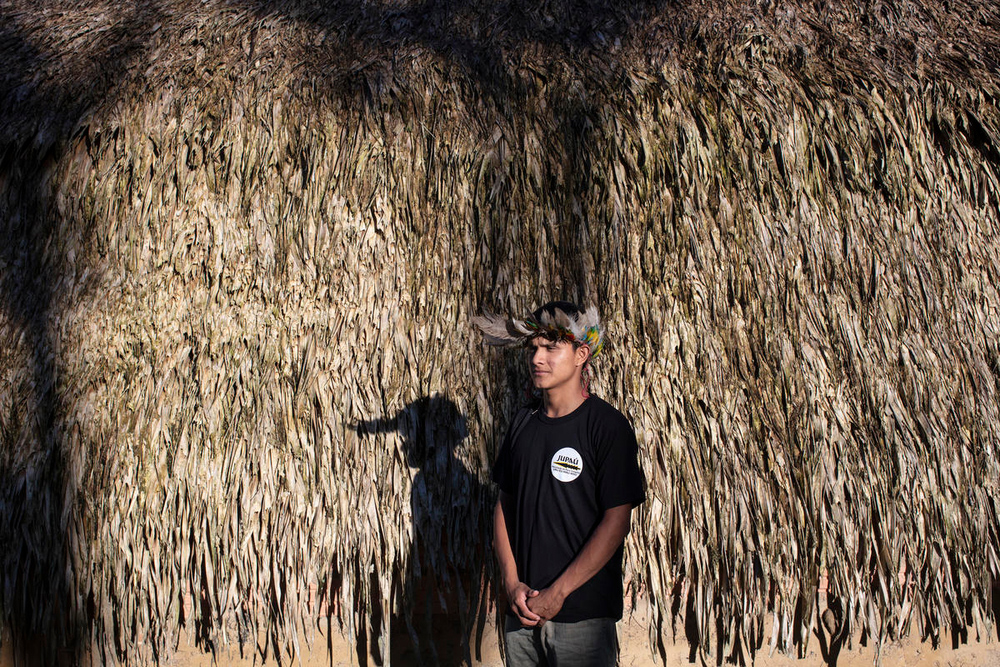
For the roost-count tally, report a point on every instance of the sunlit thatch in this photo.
(241, 242)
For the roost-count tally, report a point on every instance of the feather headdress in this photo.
(558, 319)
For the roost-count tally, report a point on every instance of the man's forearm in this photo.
(501, 545)
(607, 537)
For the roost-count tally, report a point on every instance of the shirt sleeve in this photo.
(502, 475)
(501, 467)
(619, 478)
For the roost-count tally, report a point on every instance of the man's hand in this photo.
(546, 603)
(518, 596)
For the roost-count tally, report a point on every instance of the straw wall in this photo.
(242, 242)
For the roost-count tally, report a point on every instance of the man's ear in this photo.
(582, 354)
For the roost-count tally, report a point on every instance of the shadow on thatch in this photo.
(40, 256)
(34, 491)
(482, 39)
(441, 597)
(366, 58)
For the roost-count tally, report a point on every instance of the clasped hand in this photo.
(546, 603)
(533, 607)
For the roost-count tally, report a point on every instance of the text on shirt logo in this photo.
(567, 464)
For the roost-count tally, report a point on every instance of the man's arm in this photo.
(518, 593)
(607, 537)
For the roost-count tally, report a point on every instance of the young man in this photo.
(569, 478)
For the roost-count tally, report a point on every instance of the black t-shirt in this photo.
(561, 475)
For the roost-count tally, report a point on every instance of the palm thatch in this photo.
(241, 242)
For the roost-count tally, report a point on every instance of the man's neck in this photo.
(562, 401)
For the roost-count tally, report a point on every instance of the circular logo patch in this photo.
(567, 464)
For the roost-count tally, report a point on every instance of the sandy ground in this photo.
(635, 652)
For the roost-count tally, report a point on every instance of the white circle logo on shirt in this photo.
(567, 464)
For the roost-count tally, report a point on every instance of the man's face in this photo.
(554, 363)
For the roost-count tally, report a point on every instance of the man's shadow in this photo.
(440, 596)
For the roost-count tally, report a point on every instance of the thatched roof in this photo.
(241, 242)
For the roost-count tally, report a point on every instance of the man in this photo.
(569, 478)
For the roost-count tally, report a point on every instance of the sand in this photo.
(635, 652)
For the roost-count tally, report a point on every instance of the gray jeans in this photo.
(590, 643)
